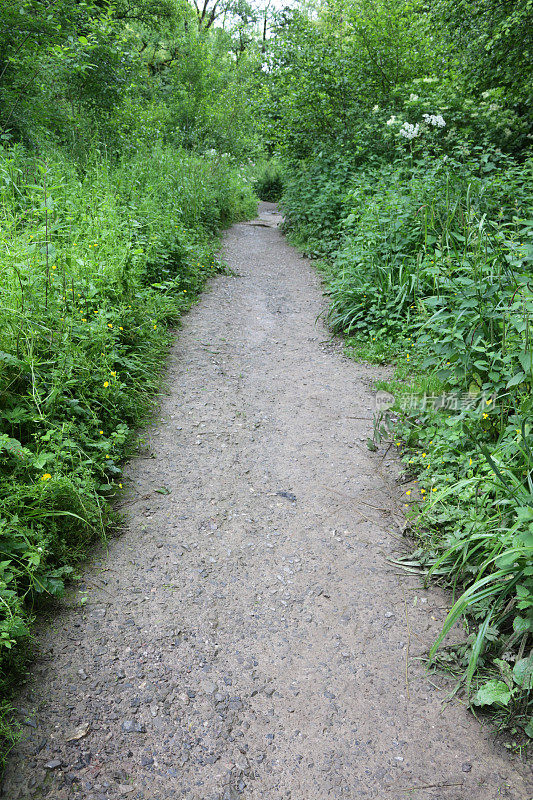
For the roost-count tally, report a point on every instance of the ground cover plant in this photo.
(410, 182)
(127, 143)
(97, 268)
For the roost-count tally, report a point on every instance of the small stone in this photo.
(130, 726)
(466, 767)
(54, 764)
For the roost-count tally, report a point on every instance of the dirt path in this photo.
(245, 637)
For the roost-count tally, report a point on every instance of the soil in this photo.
(246, 636)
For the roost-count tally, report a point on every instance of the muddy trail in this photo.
(245, 636)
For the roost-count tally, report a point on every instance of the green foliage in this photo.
(413, 188)
(96, 267)
(269, 184)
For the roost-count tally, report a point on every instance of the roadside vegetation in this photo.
(404, 133)
(399, 135)
(126, 145)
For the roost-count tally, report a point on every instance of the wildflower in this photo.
(489, 401)
(109, 325)
(120, 486)
(46, 476)
(434, 489)
(155, 327)
(114, 374)
(470, 463)
(391, 120)
(107, 456)
(120, 328)
(422, 491)
(485, 416)
(435, 120)
(409, 131)
(84, 320)
(375, 108)
(408, 493)
(106, 384)
(54, 266)
(413, 98)
(100, 432)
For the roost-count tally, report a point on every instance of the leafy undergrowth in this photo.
(97, 267)
(427, 264)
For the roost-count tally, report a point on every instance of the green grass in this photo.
(428, 268)
(97, 267)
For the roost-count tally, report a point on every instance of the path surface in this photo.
(245, 637)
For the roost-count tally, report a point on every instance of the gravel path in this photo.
(245, 636)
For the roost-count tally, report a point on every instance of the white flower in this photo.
(484, 95)
(392, 120)
(375, 108)
(413, 97)
(434, 119)
(494, 107)
(409, 131)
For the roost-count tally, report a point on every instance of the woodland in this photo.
(397, 136)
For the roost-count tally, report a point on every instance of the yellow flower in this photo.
(109, 325)
(113, 374)
(46, 476)
(54, 266)
(485, 415)
(120, 328)
(434, 489)
(155, 327)
(423, 491)
(408, 493)
(423, 455)
(100, 432)
(84, 320)
(120, 486)
(107, 456)
(106, 384)
(470, 463)
(489, 401)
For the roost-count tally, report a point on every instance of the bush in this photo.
(269, 184)
(435, 252)
(96, 266)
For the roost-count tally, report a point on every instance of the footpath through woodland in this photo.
(246, 637)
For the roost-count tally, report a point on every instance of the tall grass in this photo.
(436, 254)
(96, 266)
